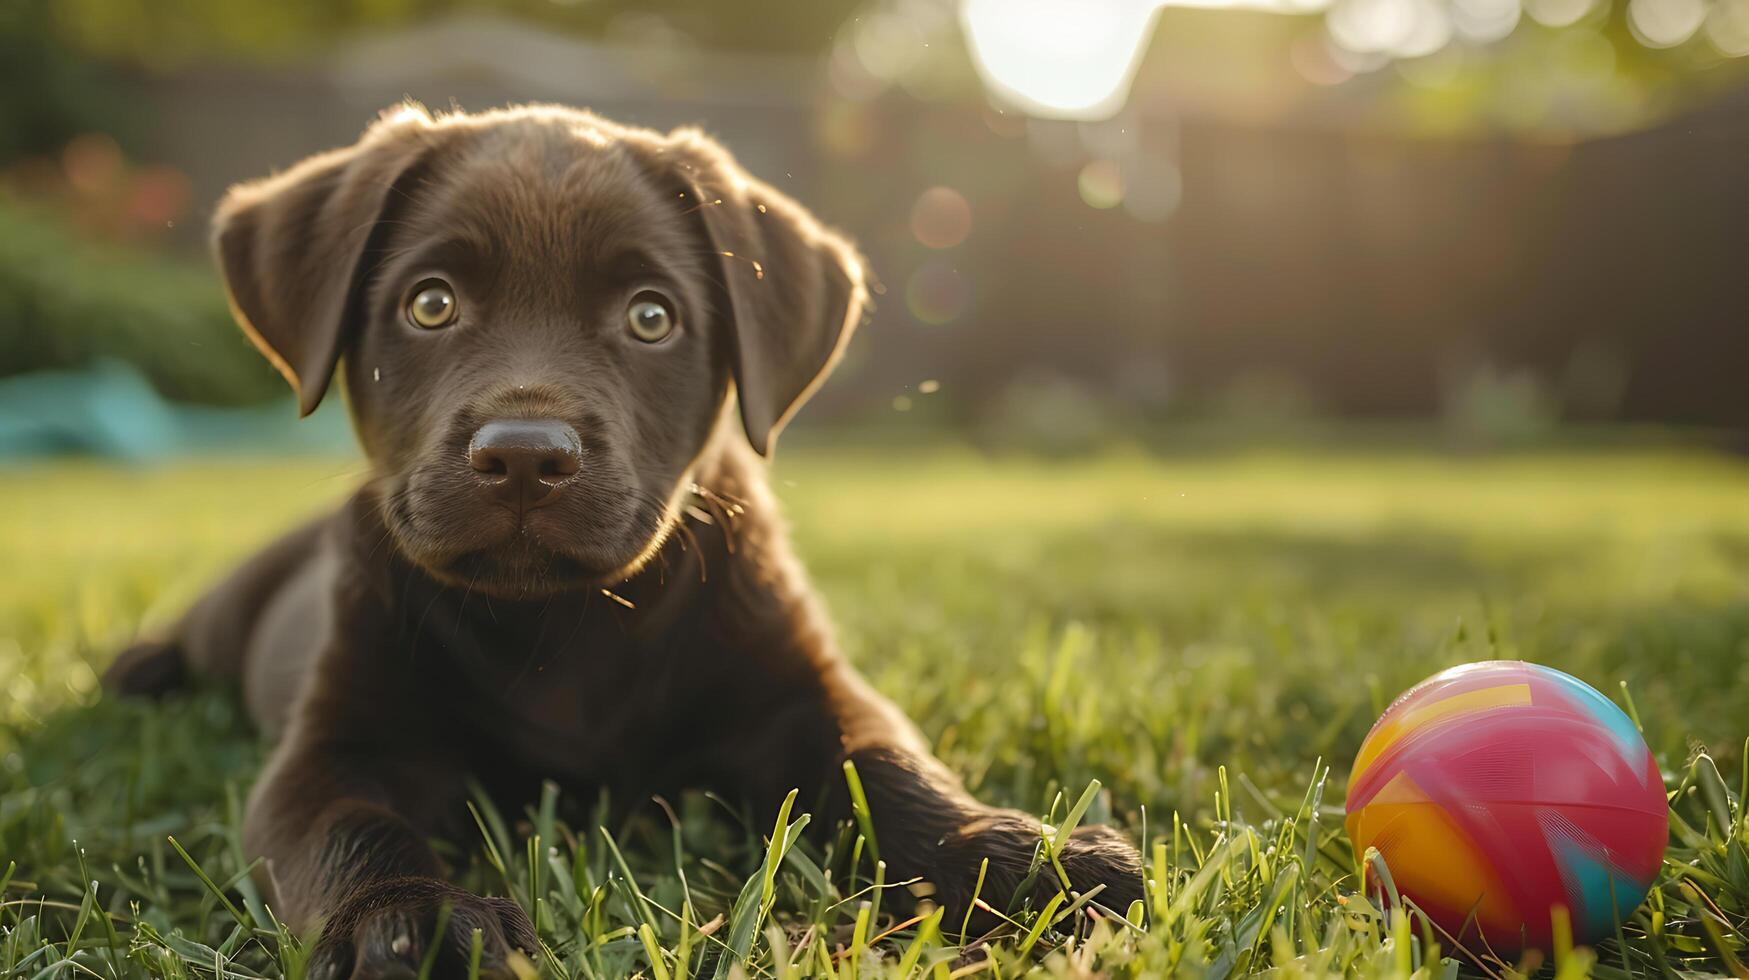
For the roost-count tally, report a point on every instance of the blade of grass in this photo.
(928, 934)
(1039, 924)
(636, 903)
(977, 891)
(1066, 829)
(434, 945)
(658, 965)
(236, 913)
(754, 902)
(859, 807)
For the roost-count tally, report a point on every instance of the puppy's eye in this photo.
(650, 317)
(432, 305)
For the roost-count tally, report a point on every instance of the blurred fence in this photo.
(1178, 259)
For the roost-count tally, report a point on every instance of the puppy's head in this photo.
(542, 317)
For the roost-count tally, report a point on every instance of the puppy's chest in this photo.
(586, 704)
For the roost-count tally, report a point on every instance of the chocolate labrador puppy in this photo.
(566, 346)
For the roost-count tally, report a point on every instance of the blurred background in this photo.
(1480, 222)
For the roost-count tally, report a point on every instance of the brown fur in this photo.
(646, 629)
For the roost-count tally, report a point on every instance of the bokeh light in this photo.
(1485, 21)
(160, 196)
(1371, 25)
(1665, 23)
(1396, 28)
(1152, 187)
(941, 218)
(1727, 27)
(1063, 60)
(848, 76)
(92, 162)
(937, 294)
(888, 43)
(1431, 30)
(1559, 13)
(1101, 184)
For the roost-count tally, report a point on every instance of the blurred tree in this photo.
(169, 33)
(67, 302)
(48, 94)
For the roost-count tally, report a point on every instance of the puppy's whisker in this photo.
(725, 511)
(758, 269)
(703, 562)
(397, 507)
(461, 607)
(736, 505)
(664, 528)
(724, 520)
(696, 208)
(689, 542)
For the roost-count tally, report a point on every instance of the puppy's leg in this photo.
(365, 775)
(926, 824)
(213, 637)
(342, 829)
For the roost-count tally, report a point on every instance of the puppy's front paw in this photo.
(1098, 855)
(383, 931)
(1093, 856)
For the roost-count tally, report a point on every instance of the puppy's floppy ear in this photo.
(795, 290)
(293, 247)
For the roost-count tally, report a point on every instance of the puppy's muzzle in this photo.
(525, 462)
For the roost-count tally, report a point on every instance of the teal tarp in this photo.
(111, 410)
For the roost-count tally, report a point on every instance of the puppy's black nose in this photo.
(524, 462)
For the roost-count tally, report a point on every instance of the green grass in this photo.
(1209, 638)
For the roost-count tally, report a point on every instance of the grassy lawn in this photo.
(1208, 637)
